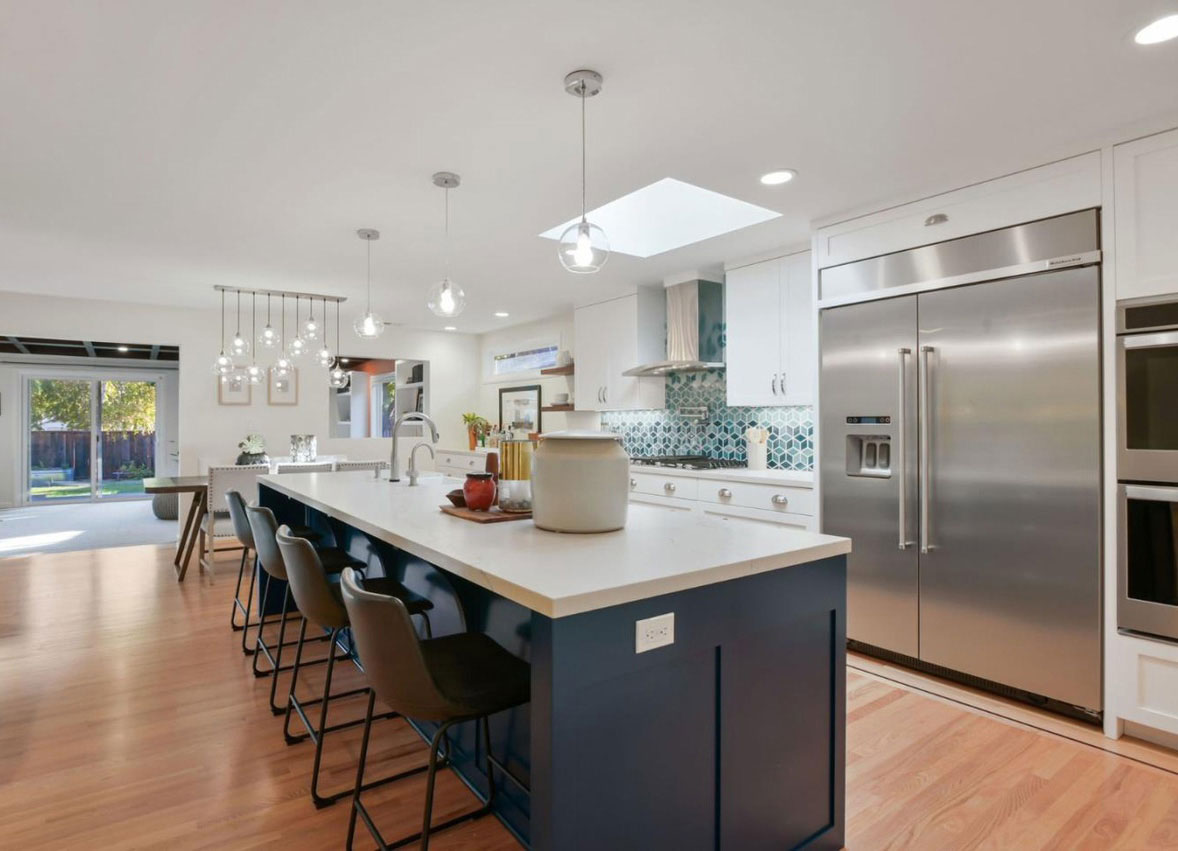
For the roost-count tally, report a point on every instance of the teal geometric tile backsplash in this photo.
(721, 435)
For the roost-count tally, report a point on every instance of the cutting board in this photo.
(492, 516)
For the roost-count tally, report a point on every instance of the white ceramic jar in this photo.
(580, 482)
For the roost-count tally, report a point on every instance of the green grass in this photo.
(77, 490)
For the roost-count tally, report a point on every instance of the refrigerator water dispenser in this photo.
(869, 455)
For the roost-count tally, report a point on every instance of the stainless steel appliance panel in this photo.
(1147, 568)
(1010, 583)
(1147, 391)
(868, 351)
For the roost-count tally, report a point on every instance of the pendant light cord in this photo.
(222, 322)
(446, 245)
(267, 310)
(582, 152)
(254, 327)
(283, 323)
(368, 296)
(238, 313)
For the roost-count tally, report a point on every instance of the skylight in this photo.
(666, 215)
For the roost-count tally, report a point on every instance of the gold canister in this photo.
(515, 475)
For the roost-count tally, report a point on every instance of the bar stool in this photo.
(265, 529)
(448, 680)
(322, 606)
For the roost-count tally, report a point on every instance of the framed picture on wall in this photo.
(519, 408)
(233, 389)
(283, 391)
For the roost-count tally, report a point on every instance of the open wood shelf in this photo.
(567, 369)
(556, 408)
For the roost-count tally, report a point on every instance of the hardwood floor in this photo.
(129, 719)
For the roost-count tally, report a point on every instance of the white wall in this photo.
(210, 431)
(556, 329)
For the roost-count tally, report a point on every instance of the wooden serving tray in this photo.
(494, 515)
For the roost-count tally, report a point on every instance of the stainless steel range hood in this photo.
(695, 330)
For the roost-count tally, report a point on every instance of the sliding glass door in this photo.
(88, 438)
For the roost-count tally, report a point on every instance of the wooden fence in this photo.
(70, 450)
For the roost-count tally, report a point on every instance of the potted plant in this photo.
(476, 426)
(253, 450)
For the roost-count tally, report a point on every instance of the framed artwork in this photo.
(519, 407)
(283, 391)
(233, 389)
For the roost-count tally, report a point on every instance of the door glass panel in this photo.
(1153, 551)
(1151, 398)
(127, 413)
(59, 439)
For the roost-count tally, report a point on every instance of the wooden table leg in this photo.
(201, 497)
(188, 527)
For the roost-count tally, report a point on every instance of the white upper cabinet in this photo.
(771, 349)
(615, 336)
(1145, 204)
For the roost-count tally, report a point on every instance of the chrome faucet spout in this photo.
(394, 464)
(413, 472)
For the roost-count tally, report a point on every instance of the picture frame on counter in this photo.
(283, 391)
(519, 408)
(233, 390)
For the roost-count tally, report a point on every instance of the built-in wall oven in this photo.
(1147, 581)
(1147, 390)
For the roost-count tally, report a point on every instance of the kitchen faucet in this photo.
(413, 462)
(394, 465)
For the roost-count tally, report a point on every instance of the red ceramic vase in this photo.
(479, 491)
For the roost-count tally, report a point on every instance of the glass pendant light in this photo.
(324, 357)
(269, 338)
(310, 329)
(239, 345)
(369, 326)
(282, 367)
(446, 298)
(337, 376)
(223, 365)
(254, 373)
(584, 247)
(298, 346)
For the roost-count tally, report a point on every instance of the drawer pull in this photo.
(669, 487)
(633, 483)
(725, 493)
(778, 499)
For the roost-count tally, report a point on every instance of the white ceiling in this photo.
(150, 150)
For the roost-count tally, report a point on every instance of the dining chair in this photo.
(217, 524)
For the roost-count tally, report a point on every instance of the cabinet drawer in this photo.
(460, 462)
(779, 498)
(736, 514)
(676, 487)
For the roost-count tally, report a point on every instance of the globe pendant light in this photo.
(223, 365)
(337, 376)
(324, 357)
(298, 346)
(446, 298)
(268, 339)
(239, 345)
(369, 326)
(254, 373)
(282, 367)
(310, 330)
(584, 247)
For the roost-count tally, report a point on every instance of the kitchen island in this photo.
(731, 736)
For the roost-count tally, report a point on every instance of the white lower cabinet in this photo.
(1144, 676)
(1146, 207)
(459, 462)
(731, 501)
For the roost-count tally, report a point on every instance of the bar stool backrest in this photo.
(241, 523)
(298, 467)
(391, 653)
(265, 528)
(308, 582)
(243, 479)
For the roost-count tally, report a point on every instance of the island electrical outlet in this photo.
(650, 633)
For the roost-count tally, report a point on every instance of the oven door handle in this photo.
(1150, 341)
(1151, 493)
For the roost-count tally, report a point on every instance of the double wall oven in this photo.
(1147, 466)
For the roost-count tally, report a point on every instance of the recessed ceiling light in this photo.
(502, 314)
(776, 178)
(666, 215)
(123, 349)
(450, 328)
(1163, 29)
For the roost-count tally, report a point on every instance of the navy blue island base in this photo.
(732, 737)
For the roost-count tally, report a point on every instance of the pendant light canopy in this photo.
(369, 326)
(584, 247)
(446, 298)
(337, 376)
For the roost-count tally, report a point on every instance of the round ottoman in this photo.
(166, 506)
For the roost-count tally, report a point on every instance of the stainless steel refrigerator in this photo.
(961, 452)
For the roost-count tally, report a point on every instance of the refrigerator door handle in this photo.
(902, 446)
(926, 476)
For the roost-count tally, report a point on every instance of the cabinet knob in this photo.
(778, 499)
(669, 487)
(725, 493)
(633, 483)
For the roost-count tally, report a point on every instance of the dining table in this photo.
(198, 486)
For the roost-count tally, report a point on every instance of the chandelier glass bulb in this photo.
(369, 326)
(223, 365)
(255, 374)
(324, 357)
(310, 330)
(584, 248)
(239, 345)
(282, 367)
(269, 338)
(296, 348)
(338, 377)
(446, 298)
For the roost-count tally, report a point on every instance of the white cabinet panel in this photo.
(608, 344)
(752, 304)
(1146, 207)
(799, 348)
(591, 331)
(736, 514)
(1143, 681)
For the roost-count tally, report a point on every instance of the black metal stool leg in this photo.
(237, 593)
(249, 604)
(274, 707)
(294, 681)
(357, 807)
(259, 640)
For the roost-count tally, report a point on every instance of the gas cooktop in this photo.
(686, 462)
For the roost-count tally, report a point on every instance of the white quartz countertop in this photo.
(793, 478)
(659, 551)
